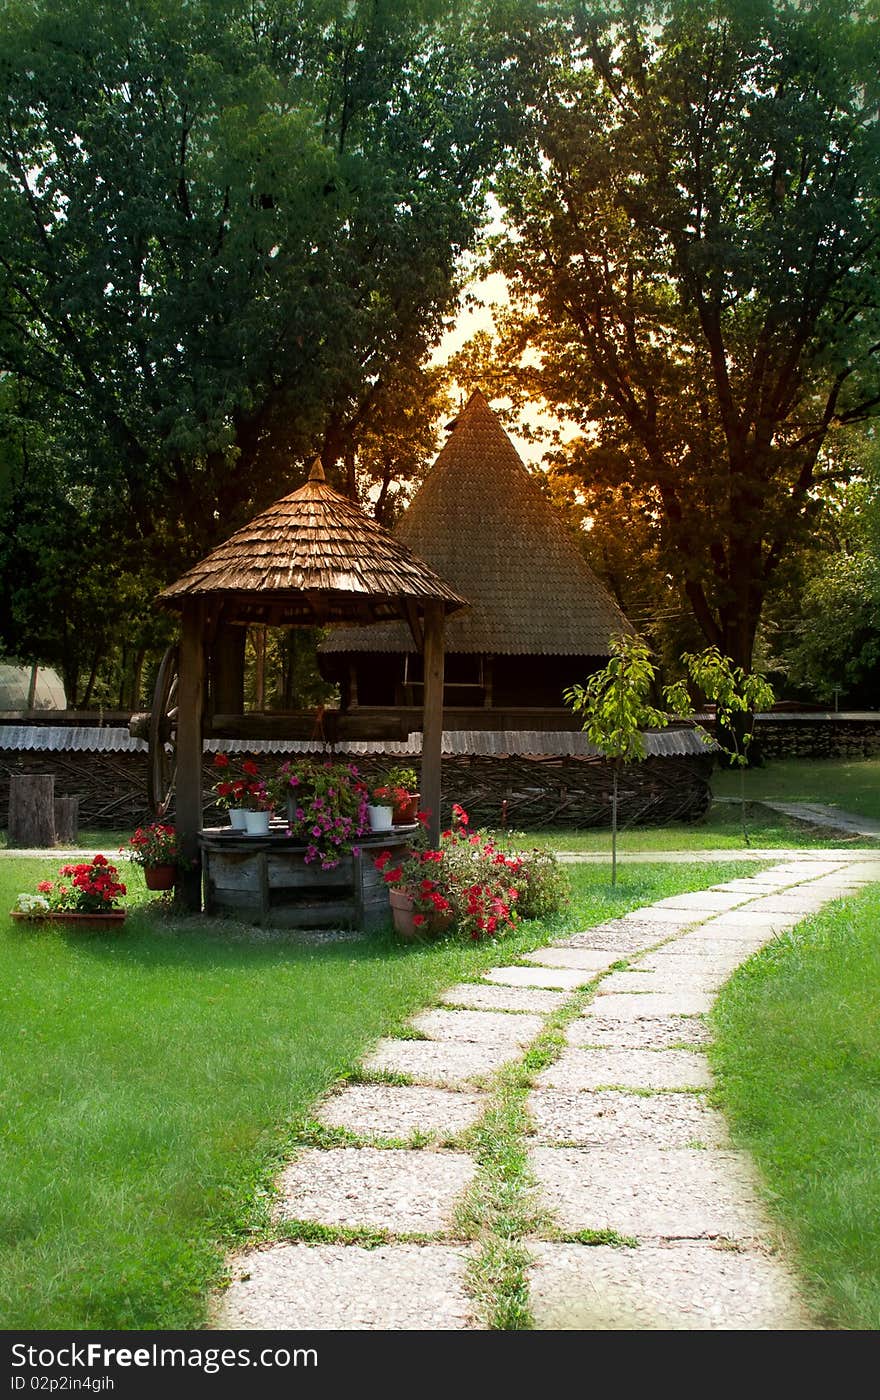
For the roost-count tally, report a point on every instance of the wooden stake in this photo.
(432, 721)
(190, 701)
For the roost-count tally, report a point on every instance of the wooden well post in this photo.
(432, 718)
(190, 708)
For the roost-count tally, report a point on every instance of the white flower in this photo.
(32, 904)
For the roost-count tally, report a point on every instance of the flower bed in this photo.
(471, 878)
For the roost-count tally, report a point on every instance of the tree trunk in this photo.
(31, 810)
(67, 820)
(614, 799)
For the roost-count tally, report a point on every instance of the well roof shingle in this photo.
(314, 542)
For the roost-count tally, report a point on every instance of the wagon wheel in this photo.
(162, 761)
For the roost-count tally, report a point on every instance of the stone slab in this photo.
(640, 1006)
(665, 980)
(609, 1117)
(702, 945)
(302, 1287)
(447, 1063)
(396, 1111)
(650, 1192)
(657, 1033)
(482, 1027)
(792, 902)
(565, 978)
(741, 922)
(709, 901)
(632, 1069)
(581, 959)
(655, 914)
(674, 963)
(483, 997)
(621, 942)
(407, 1192)
(667, 1287)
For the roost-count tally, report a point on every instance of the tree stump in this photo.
(31, 810)
(67, 820)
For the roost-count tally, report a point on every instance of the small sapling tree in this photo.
(615, 708)
(737, 696)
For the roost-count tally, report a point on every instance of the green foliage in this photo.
(615, 704)
(226, 231)
(695, 269)
(735, 695)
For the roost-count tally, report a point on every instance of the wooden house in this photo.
(539, 618)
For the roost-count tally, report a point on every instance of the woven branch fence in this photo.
(527, 794)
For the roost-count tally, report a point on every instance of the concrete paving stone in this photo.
(396, 1110)
(610, 1117)
(621, 942)
(677, 965)
(565, 978)
(633, 1069)
(669, 919)
(664, 1287)
(483, 997)
(408, 1192)
(642, 979)
(701, 945)
(580, 959)
(749, 885)
(740, 923)
(699, 900)
(658, 1033)
(796, 902)
(650, 1192)
(483, 1027)
(302, 1287)
(447, 1063)
(642, 1006)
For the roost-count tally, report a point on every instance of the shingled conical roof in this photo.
(313, 556)
(486, 526)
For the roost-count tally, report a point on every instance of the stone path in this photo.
(642, 1214)
(817, 814)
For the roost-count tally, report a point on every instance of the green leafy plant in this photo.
(400, 776)
(736, 695)
(156, 844)
(615, 708)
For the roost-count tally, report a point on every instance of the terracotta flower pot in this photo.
(77, 923)
(160, 877)
(405, 811)
(404, 914)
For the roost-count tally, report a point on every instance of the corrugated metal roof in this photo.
(22, 738)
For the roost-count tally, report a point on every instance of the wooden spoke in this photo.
(162, 761)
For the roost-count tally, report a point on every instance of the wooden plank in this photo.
(227, 669)
(291, 872)
(432, 723)
(190, 701)
(300, 724)
(234, 872)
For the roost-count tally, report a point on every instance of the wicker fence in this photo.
(522, 793)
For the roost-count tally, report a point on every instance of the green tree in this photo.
(695, 259)
(737, 696)
(615, 707)
(224, 227)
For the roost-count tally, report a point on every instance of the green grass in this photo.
(852, 786)
(798, 1065)
(154, 1080)
(721, 830)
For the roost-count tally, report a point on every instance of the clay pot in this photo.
(160, 877)
(403, 912)
(405, 811)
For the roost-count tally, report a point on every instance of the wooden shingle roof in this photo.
(482, 522)
(313, 556)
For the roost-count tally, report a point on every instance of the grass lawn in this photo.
(720, 830)
(853, 786)
(798, 1061)
(152, 1079)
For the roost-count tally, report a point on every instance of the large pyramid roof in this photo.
(484, 524)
